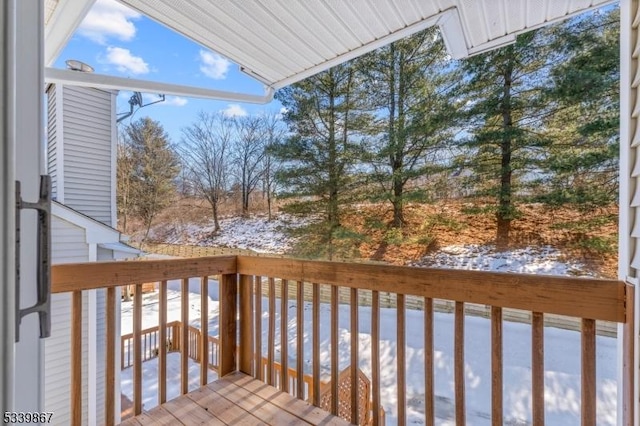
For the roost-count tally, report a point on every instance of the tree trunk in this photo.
(397, 202)
(504, 214)
(333, 218)
(245, 206)
(124, 222)
(396, 136)
(148, 221)
(216, 222)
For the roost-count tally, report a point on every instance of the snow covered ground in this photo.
(529, 260)
(562, 361)
(562, 347)
(254, 233)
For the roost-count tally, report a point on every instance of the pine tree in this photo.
(325, 119)
(411, 85)
(155, 166)
(581, 165)
(503, 92)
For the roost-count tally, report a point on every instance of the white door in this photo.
(21, 158)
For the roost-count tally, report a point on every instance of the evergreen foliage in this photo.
(410, 83)
(503, 93)
(581, 167)
(327, 120)
(153, 167)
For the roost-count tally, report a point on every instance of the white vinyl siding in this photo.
(104, 254)
(69, 246)
(69, 242)
(87, 151)
(52, 158)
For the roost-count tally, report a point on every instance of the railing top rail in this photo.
(578, 297)
(95, 275)
(598, 299)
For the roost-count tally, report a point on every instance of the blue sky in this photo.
(118, 41)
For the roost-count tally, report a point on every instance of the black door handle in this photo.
(43, 303)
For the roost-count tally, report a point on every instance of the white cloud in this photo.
(174, 101)
(213, 65)
(125, 61)
(234, 110)
(109, 19)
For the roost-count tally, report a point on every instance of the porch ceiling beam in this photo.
(108, 82)
(63, 23)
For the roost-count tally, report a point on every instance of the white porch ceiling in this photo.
(283, 41)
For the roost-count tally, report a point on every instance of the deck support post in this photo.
(227, 326)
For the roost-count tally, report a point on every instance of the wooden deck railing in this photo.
(150, 342)
(75, 278)
(586, 299)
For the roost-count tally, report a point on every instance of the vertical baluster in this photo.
(272, 331)
(496, 366)
(588, 372)
(375, 356)
(137, 350)
(185, 341)
(246, 324)
(76, 358)
(335, 395)
(355, 343)
(162, 349)
(402, 362)
(284, 336)
(459, 364)
(429, 409)
(110, 357)
(316, 344)
(300, 341)
(204, 330)
(258, 329)
(537, 367)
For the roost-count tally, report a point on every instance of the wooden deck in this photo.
(236, 399)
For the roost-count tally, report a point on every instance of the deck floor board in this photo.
(236, 399)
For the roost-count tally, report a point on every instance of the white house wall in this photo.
(52, 127)
(70, 246)
(87, 123)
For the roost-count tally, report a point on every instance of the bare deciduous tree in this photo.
(205, 151)
(249, 151)
(274, 134)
